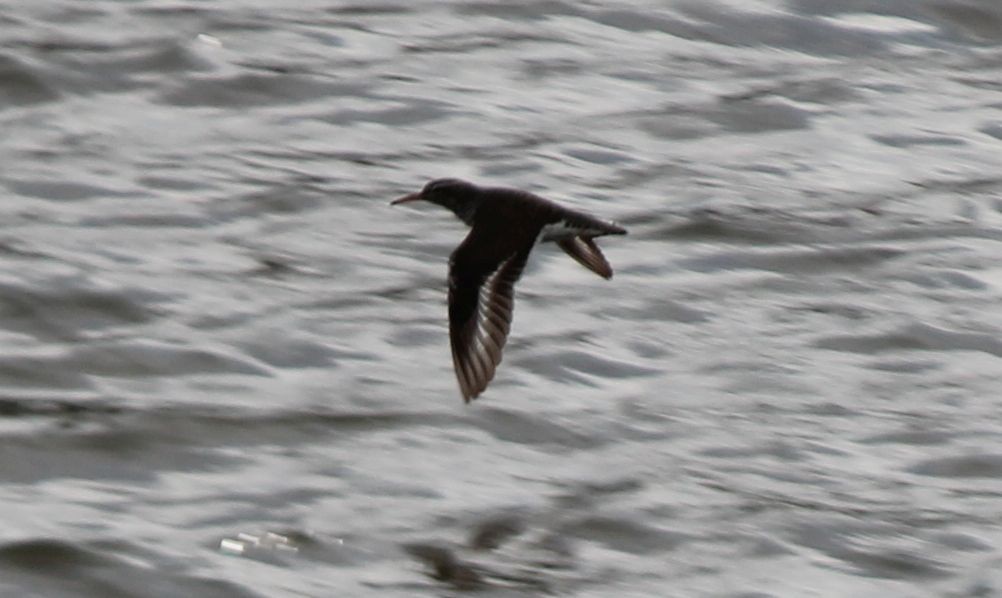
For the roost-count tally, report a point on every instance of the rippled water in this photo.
(225, 367)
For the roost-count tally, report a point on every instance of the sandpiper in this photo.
(506, 224)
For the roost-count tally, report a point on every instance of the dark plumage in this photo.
(506, 224)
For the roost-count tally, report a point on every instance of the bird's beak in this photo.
(406, 198)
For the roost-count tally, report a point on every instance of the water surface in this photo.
(225, 367)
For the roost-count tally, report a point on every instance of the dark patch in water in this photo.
(915, 337)
(20, 84)
(968, 466)
(59, 569)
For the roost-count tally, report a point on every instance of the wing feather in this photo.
(481, 303)
(586, 252)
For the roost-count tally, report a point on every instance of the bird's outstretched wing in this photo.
(481, 300)
(586, 252)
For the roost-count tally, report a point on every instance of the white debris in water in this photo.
(209, 40)
(231, 546)
(245, 543)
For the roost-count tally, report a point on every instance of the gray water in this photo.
(225, 368)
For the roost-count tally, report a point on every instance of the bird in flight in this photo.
(505, 225)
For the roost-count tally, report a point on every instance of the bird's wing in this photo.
(587, 253)
(481, 300)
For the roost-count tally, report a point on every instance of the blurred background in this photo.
(224, 367)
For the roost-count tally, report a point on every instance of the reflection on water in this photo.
(216, 330)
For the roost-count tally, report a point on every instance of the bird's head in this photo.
(457, 195)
